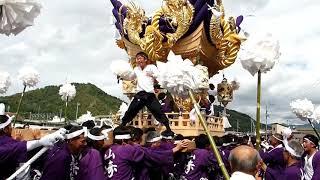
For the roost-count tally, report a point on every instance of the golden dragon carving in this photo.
(179, 14)
(152, 41)
(223, 35)
(132, 24)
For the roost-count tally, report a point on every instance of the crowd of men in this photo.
(82, 152)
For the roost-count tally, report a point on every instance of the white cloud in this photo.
(74, 39)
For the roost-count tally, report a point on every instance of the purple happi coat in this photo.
(224, 153)
(274, 160)
(169, 167)
(215, 172)
(293, 172)
(180, 159)
(156, 159)
(12, 153)
(91, 167)
(166, 145)
(121, 161)
(197, 166)
(60, 164)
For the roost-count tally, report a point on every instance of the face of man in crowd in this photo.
(99, 144)
(141, 61)
(307, 145)
(156, 144)
(78, 144)
(273, 141)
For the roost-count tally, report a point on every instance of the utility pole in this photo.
(60, 114)
(267, 115)
(78, 104)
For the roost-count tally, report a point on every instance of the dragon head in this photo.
(175, 4)
(135, 14)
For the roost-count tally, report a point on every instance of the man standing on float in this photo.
(145, 73)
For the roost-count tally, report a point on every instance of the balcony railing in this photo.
(181, 124)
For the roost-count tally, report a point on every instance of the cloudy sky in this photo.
(74, 40)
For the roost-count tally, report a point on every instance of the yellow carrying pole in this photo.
(258, 141)
(212, 143)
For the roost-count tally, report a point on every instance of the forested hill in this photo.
(48, 100)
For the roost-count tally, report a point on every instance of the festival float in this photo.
(196, 31)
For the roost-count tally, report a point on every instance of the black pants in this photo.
(140, 100)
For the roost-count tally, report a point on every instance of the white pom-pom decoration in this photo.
(17, 15)
(259, 53)
(67, 92)
(4, 82)
(121, 68)
(29, 76)
(316, 114)
(302, 108)
(178, 75)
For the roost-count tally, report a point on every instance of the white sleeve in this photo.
(155, 71)
(33, 144)
(47, 140)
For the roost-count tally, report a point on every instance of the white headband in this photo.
(123, 136)
(289, 149)
(177, 141)
(77, 133)
(167, 137)
(226, 144)
(277, 138)
(5, 124)
(96, 138)
(309, 140)
(154, 139)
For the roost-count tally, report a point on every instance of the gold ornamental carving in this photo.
(217, 48)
